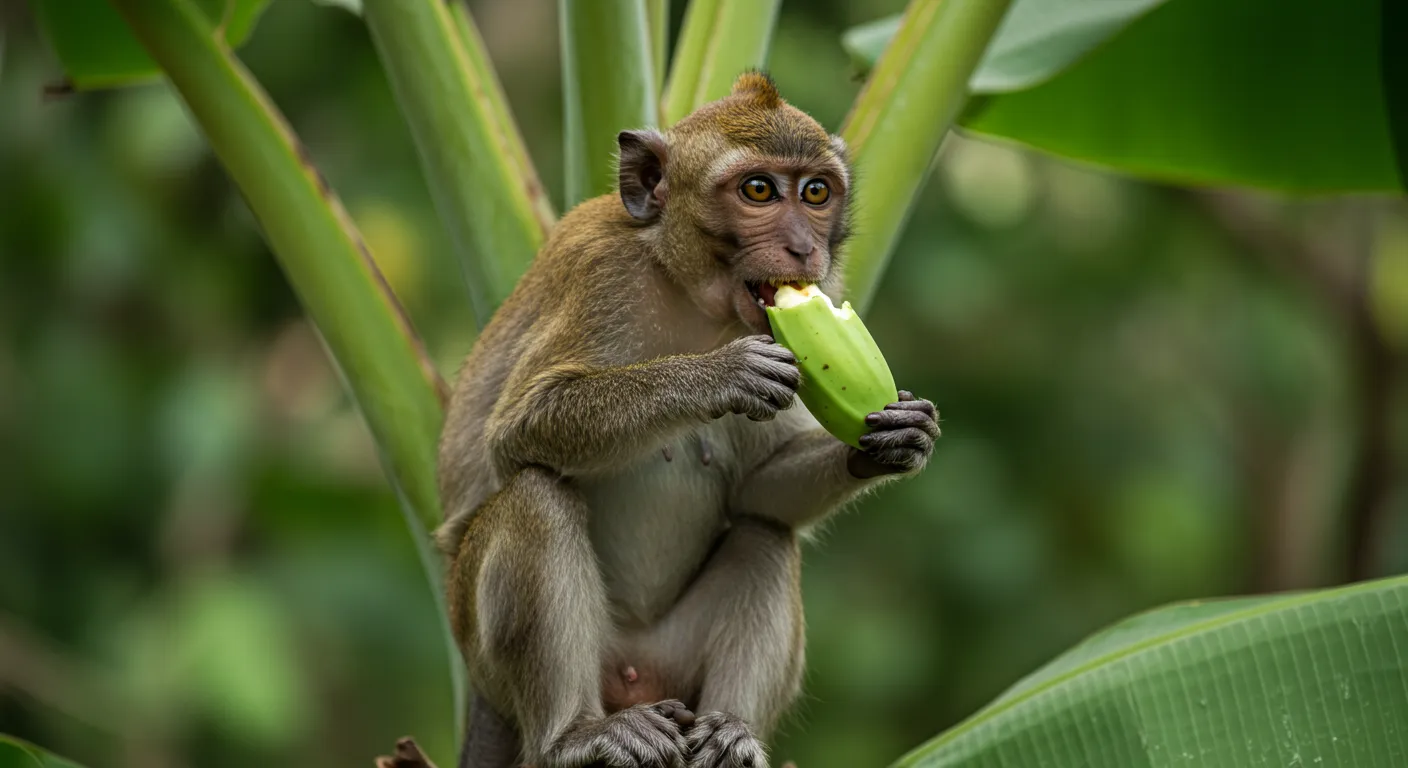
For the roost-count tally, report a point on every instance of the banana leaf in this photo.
(1305, 679)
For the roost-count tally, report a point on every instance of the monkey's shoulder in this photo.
(596, 230)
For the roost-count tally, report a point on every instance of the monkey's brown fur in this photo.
(623, 478)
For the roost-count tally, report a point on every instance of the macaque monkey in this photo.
(624, 470)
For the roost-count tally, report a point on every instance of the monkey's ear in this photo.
(643, 156)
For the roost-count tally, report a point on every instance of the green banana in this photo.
(844, 376)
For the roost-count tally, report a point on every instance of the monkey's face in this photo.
(751, 194)
(781, 220)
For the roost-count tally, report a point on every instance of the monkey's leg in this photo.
(530, 611)
(746, 605)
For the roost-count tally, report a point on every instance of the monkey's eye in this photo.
(816, 192)
(759, 189)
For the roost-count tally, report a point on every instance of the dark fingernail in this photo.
(684, 717)
(872, 419)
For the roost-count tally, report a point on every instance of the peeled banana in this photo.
(844, 376)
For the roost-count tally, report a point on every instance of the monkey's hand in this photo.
(901, 439)
(759, 378)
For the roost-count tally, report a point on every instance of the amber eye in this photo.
(816, 192)
(759, 189)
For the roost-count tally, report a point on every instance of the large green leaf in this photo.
(1284, 94)
(17, 753)
(608, 85)
(1318, 678)
(1036, 40)
(97, 50)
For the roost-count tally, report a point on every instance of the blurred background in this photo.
(1149, 394)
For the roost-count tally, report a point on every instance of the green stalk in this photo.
(901, 117)
(658, 15)
(720, 39)
(608, 85)
(371, 342)
(503, 119)
(483, 185)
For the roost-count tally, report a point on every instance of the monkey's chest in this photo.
(654, 524)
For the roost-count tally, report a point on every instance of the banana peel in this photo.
(844, 376)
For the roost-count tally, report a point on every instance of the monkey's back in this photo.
(561, 300)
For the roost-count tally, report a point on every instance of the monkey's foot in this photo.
(643, 736)
(720, 740)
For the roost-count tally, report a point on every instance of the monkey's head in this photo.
(744, 195)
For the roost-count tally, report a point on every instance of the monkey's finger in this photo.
(702, 731)
(905, 394)
(783, 373)
(724, 744)
(674, 709)
(655, 740)
(923, 406)
(904, 437)
(729, 744)
(899, 419)
(705, 751)
(759, 408)
(754, 344)
(765, 346)
(778, 393)
(779, 353)
(781, 397)
(750, 754)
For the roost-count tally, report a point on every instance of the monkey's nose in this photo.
(800, 250)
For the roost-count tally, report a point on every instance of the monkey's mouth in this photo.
(765, 293)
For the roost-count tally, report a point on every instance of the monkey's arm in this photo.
(813, 473)
(578, 419)
(801, 483)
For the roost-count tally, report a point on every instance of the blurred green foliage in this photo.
(201, 563)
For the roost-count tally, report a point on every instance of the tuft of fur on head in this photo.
(758, 88)
(754, 115)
